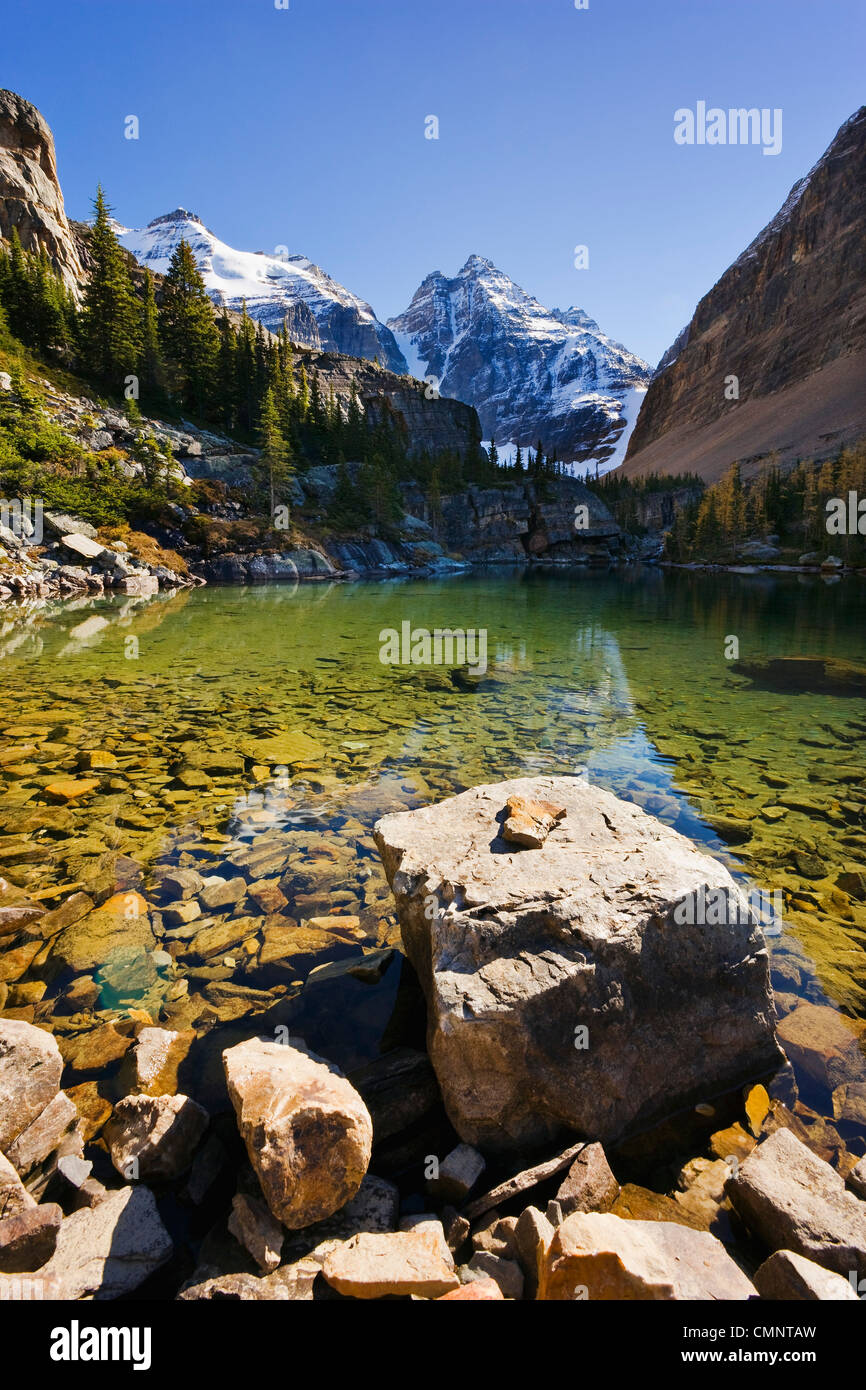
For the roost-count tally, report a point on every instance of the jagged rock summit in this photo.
(788, 319)
(30, 196)
(278, 288)
(532, 373)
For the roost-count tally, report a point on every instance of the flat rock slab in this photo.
(570, 986)
(108, 1250)
(596, 1255)
(394, 1265)
(792, 1200)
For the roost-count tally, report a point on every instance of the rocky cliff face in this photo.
(277, 287)
(30, 196)
(788, 319)
(518, 522)
(532, 373)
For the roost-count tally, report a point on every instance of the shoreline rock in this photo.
(566, 987)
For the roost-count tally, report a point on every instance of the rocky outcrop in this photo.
(30, 196)
(788, 319)
(532, 373)
(574, 986)
(517, 522)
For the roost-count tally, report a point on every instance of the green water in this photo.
(187, 702)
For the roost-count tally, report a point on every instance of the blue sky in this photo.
(305, 127)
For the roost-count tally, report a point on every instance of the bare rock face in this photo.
(788, 1277)
(787, 318)
(792, 1200)
(308, 1133)
(596, 1255)
(30, 1070)
(30, 196)
(155, 1137)
(565, 987)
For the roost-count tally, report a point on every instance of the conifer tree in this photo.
(274, 470)
(151, 368)
(110, 326)
(188, 332)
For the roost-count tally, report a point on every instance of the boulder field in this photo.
(580, 985)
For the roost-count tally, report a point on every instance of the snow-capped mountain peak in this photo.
(531, 372)
(277, 287)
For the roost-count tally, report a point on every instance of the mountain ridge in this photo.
(787, 319)
(531, 372)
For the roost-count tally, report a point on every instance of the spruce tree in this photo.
(188, 332)
(152, 368)
(274, 469)
(110, 327)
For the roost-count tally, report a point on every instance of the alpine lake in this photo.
(253, 736)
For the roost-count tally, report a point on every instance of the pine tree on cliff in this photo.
(151, 368)
(110, 326)
(188, 332)
(16, 288)
(274, 470)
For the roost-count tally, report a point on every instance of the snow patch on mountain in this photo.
(278, 288)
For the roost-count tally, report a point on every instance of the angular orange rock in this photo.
(479, 1291)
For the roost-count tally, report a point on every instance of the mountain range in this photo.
(532, 373)
(278, 288)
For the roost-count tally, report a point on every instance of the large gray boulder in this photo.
(567, 986)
